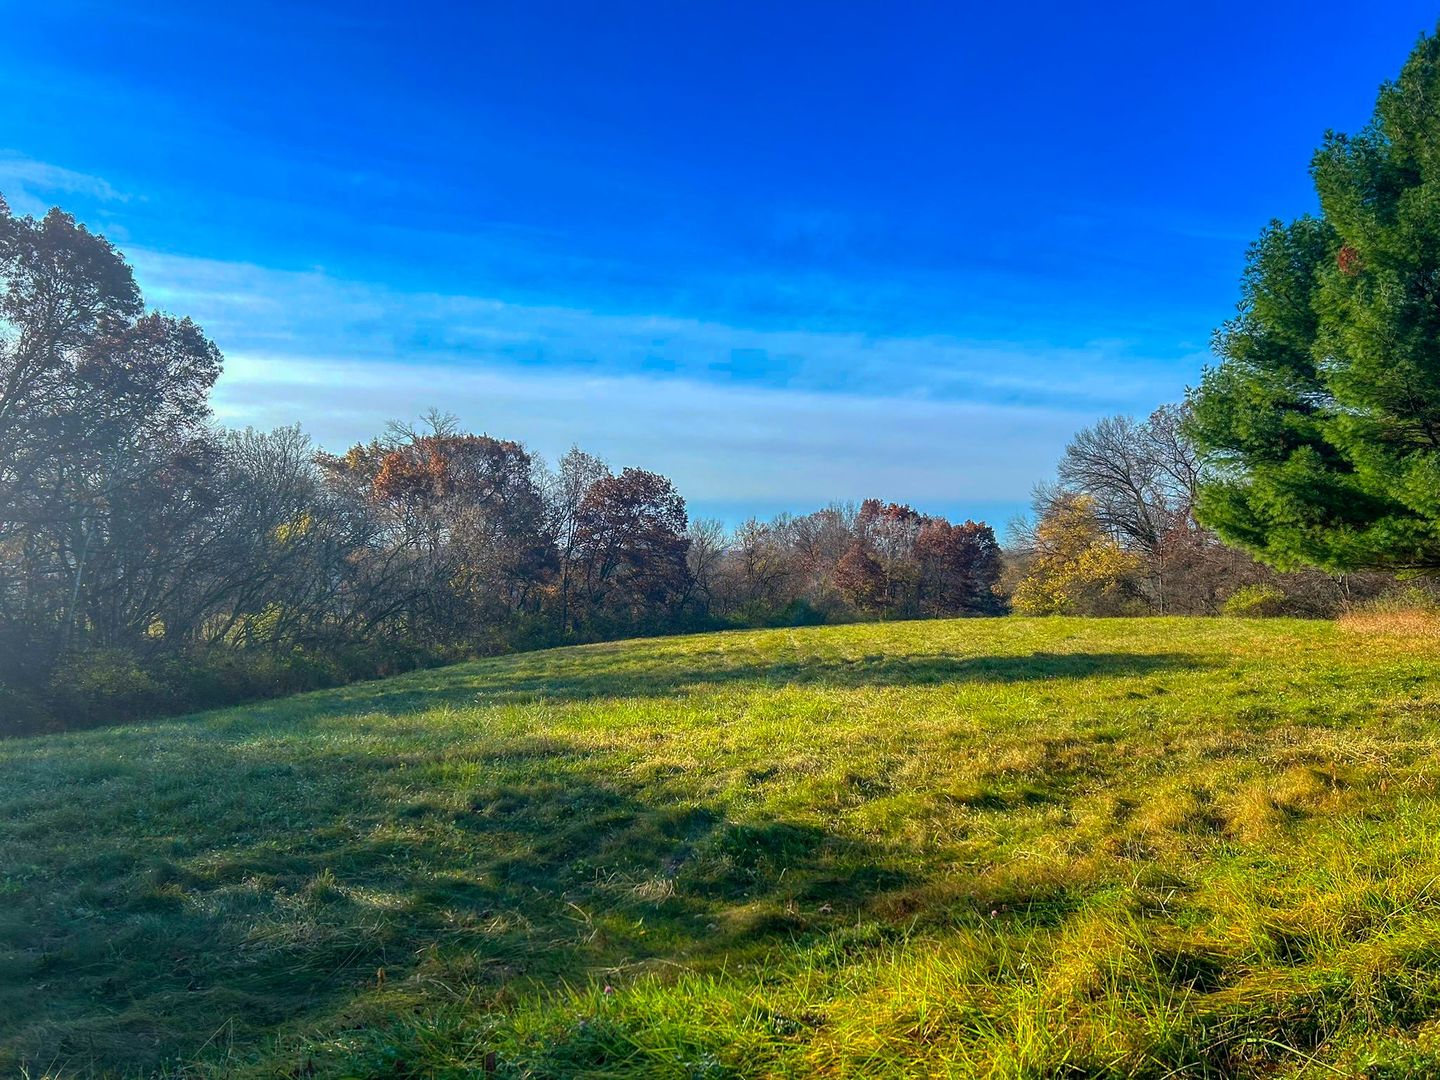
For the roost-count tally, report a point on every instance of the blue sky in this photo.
(783, 253)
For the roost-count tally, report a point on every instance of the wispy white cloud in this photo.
(735, 415)
(720, 443)
(30, 186)
(252, 308)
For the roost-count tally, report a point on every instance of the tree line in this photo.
(152, 560)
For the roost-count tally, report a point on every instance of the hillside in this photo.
(990, 847)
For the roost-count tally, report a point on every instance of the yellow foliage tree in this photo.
(1074, 567)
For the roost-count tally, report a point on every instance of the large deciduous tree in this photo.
(105, 452)
(1073, 564)
(631, 549)
(1322, 422)
(462, 541)
(905, 563)
(1140, 478)
(959, 568)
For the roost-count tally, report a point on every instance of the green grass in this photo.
(1010, 848)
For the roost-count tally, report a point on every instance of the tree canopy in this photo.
(1321, 425)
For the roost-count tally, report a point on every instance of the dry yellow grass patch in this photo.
(1412, 623)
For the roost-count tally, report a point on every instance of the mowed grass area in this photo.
(997, 848)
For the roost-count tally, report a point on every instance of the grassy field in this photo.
(1010, 848)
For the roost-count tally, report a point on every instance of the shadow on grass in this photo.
(130, 955)
(585, 674)
(171, 884)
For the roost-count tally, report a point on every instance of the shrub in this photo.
(112, 685)
(230, 676)
(21, 714)
(1256, 601)
(385, 657)
(797, 613)
(1402, 600)
(104, 686)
